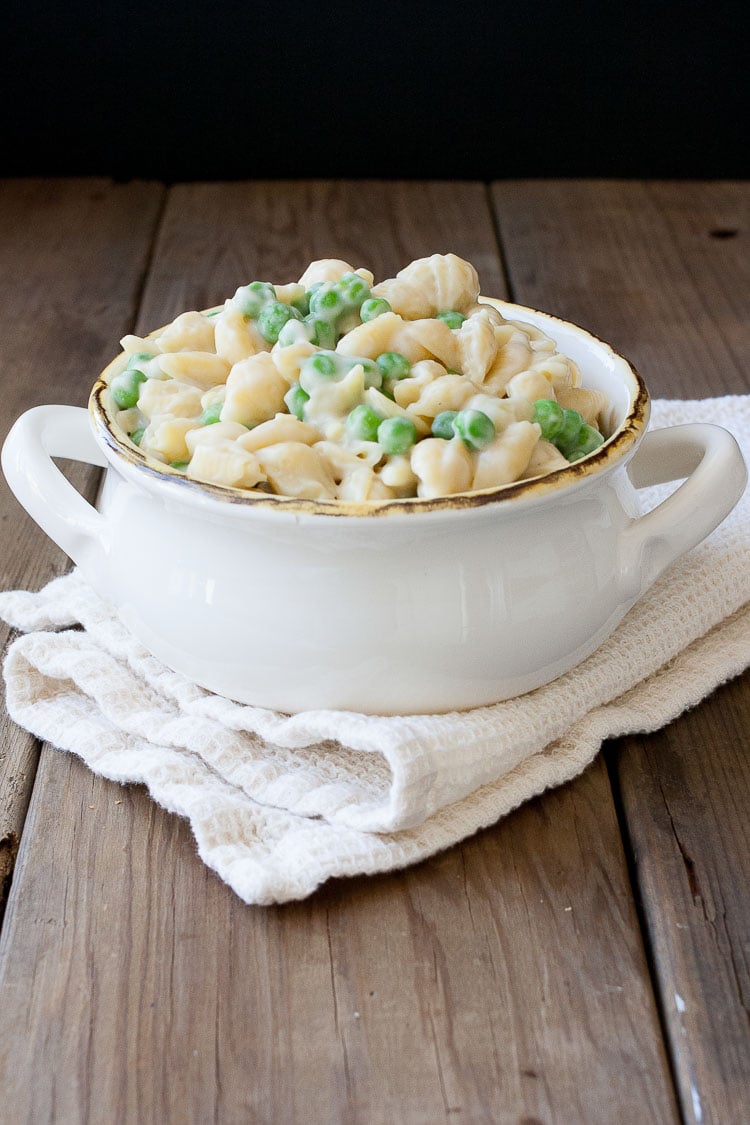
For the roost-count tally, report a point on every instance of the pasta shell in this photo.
(289, 359)
(168, 396)
(255, 391)
(531, 385)
(215, 394)
(289, 293)
(502, 411)
(354, 477)
(165, 437)
(489, 311)
(386, 333)
(435, 338)
(449, 392)
(216, 434)
(130, 344)
(325, 269)
(379, 490)
(442, 468)
(398, 475)
(284, 427)
(331, 401)
(561, 371)
(506, 459)
(538, 339)
(408, 390)
(477, 344)
(513, 355)
(431, 285)
(225, 463)
(200, 369)
(189, 332)
(589, 404)
(383, 406)
(237, 338)
(545, 458)
(295, 469)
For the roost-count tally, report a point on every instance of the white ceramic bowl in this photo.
(395, 607)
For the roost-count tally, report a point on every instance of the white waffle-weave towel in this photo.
(279, 804)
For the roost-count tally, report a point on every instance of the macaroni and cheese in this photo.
(334, 388)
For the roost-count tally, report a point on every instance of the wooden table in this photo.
(587, 959)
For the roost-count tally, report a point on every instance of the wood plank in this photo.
(663, 270)
(72, 257)
(477, 986)
(686, 794)
(686, 790)
(503, 981)
(637, 265)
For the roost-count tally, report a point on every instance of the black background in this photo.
(383, 90)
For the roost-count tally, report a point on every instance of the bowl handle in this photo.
(74, 524)
(710, 460)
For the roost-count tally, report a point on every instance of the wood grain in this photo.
(664, 270)
(637, 265)
(501, 981)
(685, 793)
(504, 981)
(72, 258)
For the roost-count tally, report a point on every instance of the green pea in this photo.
(272, 318)
(323, 332)
(550, 416)
(363, 422)
(372, 308)
(211, 414)
(301, 304)
(323, 367)
(396, 435)
(323, 364)
(137, 358)
(394, 365)
(475, 428)
(568, 436)
(179, 464)
(326, 303)
(452, 318)
(588, 440)
(442, 425)
(137, 435)
(125, 388)
(251, 298)
(353, 289)
(295, 399)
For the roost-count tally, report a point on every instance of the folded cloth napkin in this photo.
(280, 803)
